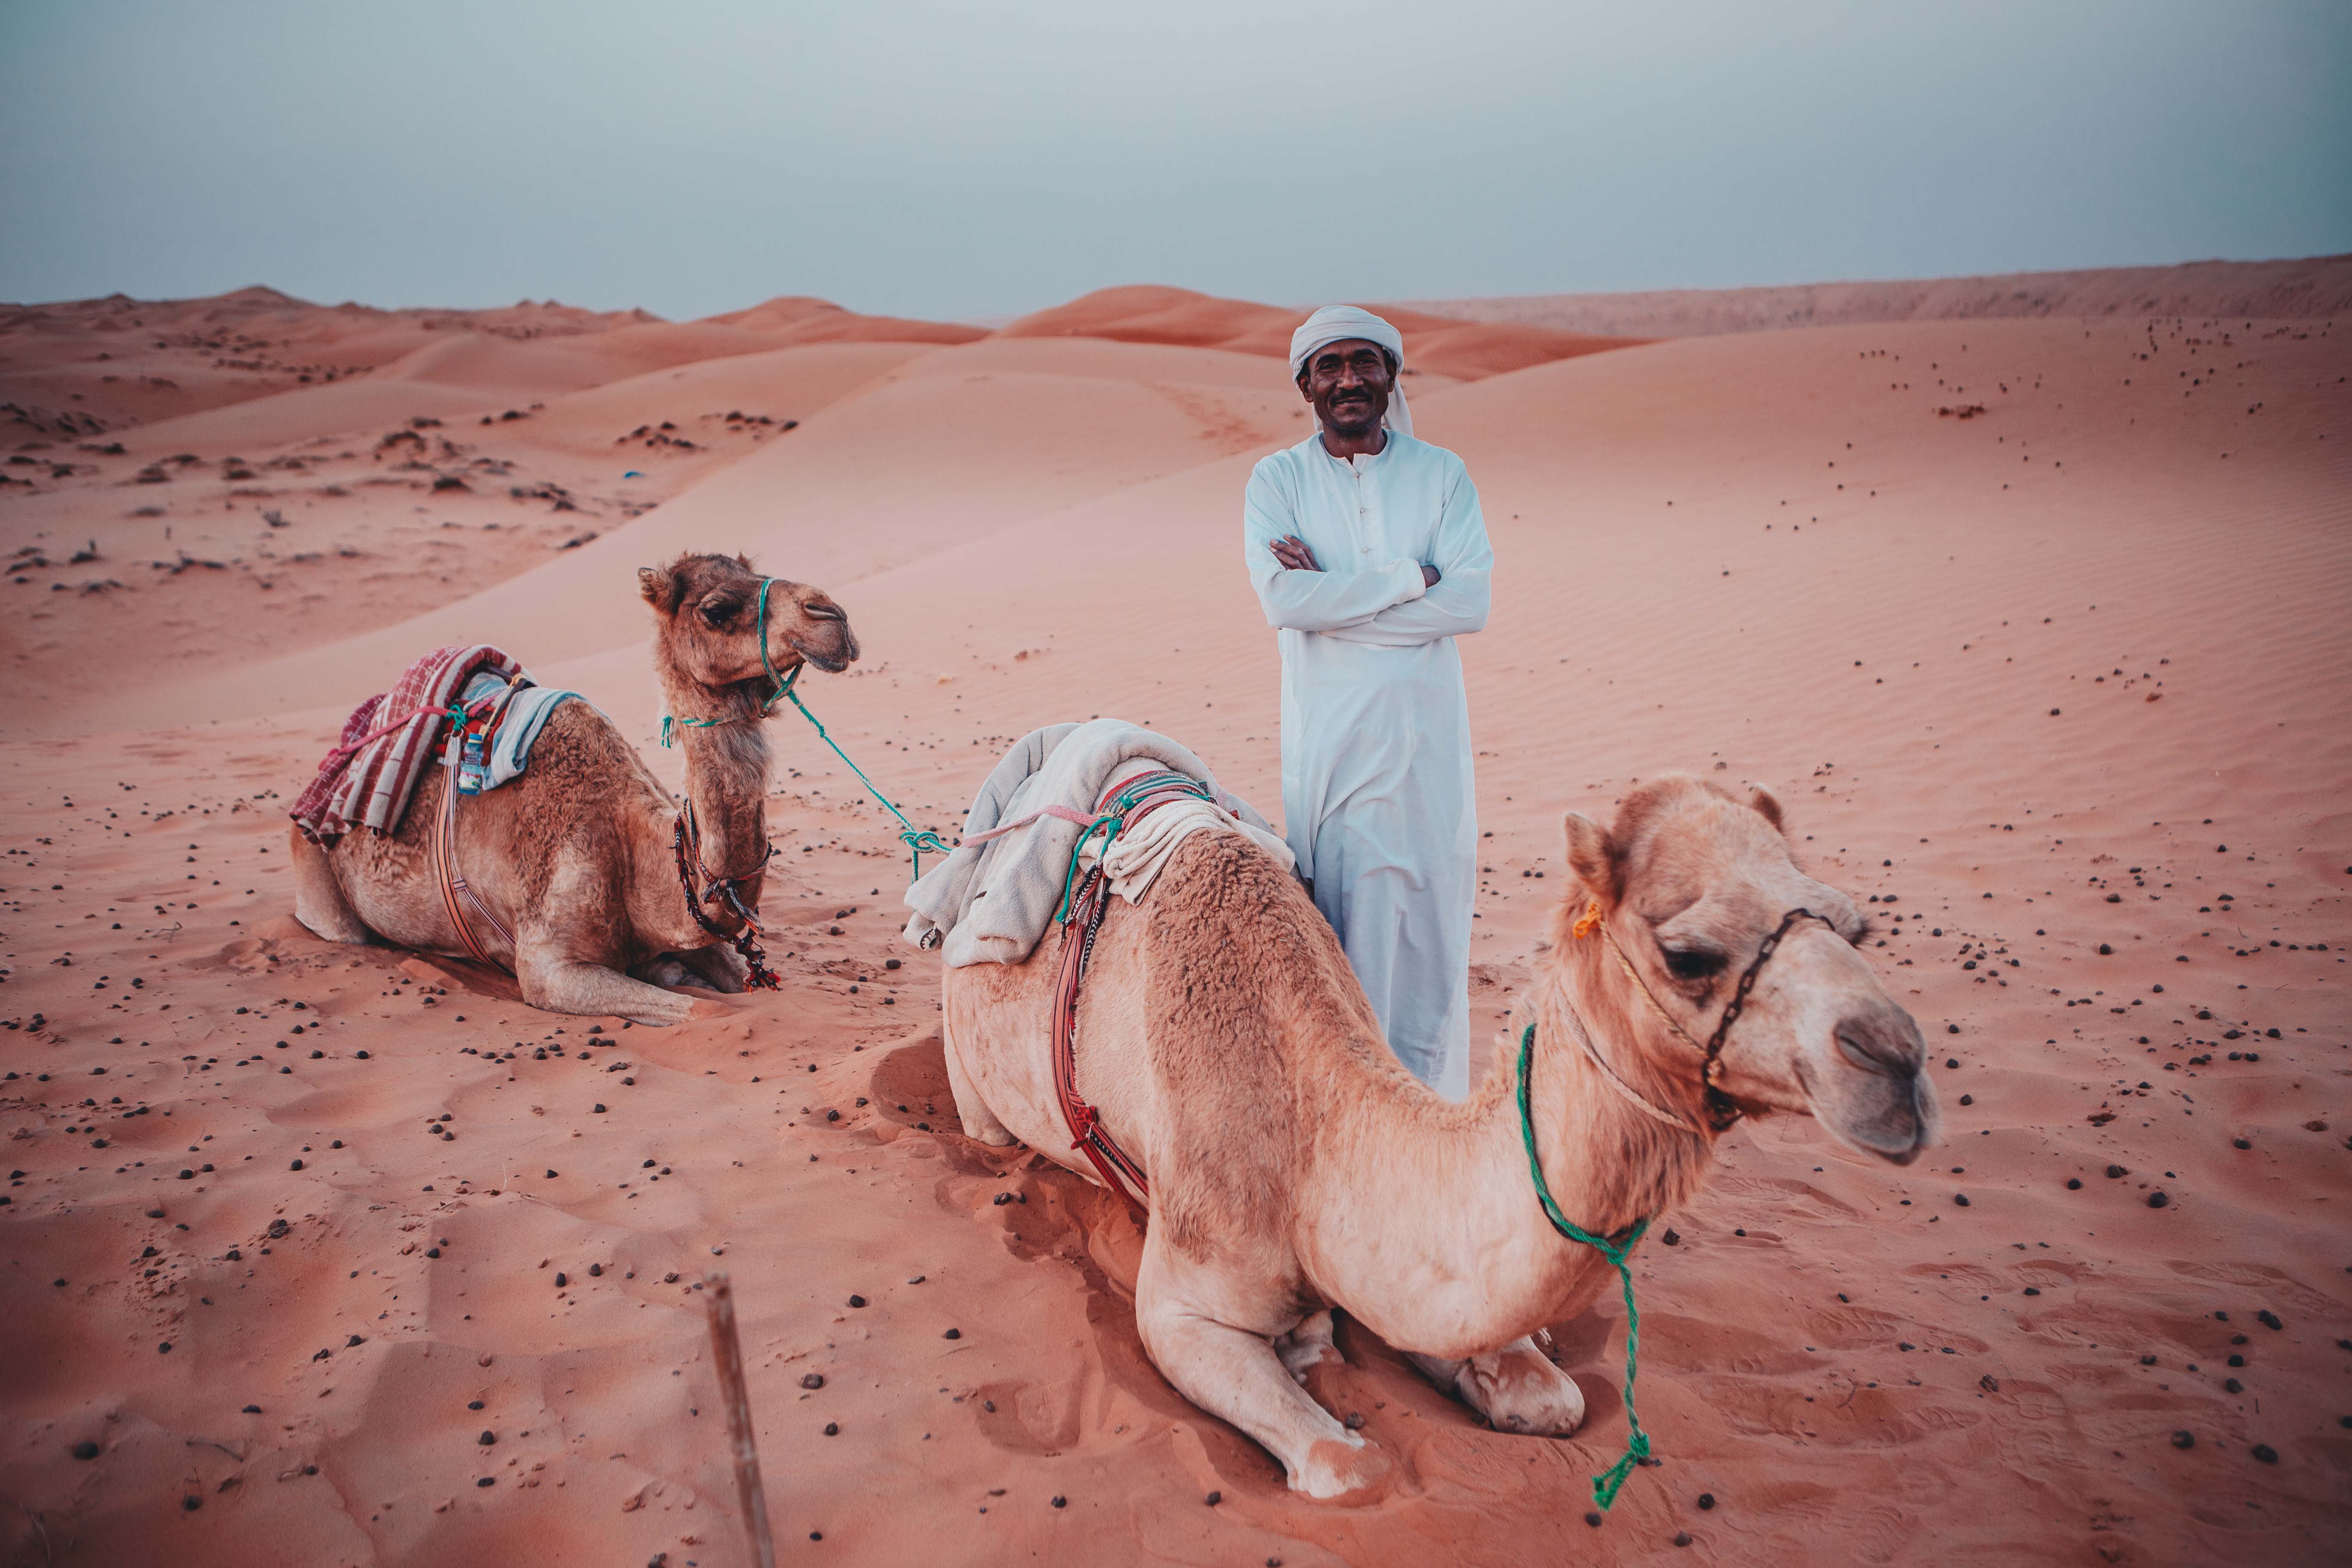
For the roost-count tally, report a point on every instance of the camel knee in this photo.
(722, 969)
(709, 967)
(1517, 1388)
(1344, 1470)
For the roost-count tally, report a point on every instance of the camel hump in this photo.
(1248, 1001)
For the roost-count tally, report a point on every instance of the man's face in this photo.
(1349, 384)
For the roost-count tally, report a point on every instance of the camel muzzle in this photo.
(1879, 1097)
(835, 648)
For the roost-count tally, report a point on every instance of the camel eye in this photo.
(719, 611)
(1693, 963)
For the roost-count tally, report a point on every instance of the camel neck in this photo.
(1459, 1172)
(1626, 1162)
(727, 785)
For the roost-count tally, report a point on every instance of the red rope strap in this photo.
(456, 894)
(1118, 1169)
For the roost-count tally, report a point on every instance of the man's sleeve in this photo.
(1458, 604)
(1312, 601)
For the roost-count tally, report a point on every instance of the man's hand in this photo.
(1429, 575)
(1293, 554)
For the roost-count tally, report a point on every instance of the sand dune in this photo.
(133, 363)
(1436, 345)
(800, 318)
(781, 386)
(2315, 287)
(914, 463)
(2036, 625)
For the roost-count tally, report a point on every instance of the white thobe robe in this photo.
(1377, 796)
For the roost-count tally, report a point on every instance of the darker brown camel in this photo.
(577, 855)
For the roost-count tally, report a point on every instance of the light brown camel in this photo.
(577, 855)
(1296, 1166)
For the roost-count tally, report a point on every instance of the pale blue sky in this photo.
(963, 160)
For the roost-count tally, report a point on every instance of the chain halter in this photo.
(1722, 1109)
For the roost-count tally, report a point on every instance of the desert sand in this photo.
(2310, 288)
(321, 1255)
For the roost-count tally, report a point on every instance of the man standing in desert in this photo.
(1369, 555)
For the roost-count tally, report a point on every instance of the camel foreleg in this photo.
(1516, 1388)
(560, 983)
(722, 968)
(1235, 1374)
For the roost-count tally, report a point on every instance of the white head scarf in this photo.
(1334, 323)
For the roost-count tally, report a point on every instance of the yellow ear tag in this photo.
(1587, 921)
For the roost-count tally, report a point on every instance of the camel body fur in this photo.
(1296, 1166)
(578, 854)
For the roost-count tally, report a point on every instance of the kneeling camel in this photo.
(578, 856)
(1295, 1167)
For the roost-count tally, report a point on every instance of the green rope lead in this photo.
(1637, 1446)
(916, 839)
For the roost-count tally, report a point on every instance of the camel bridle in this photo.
(783, 683)
(1722, 1111)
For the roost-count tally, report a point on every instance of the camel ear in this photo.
(1591, 856)
(659, 585)
(745, 561)
(1769, 805)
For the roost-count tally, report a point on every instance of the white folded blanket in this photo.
(991, 901)
(1140, 853)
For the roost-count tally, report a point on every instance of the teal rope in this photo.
(916, 840)
(1113, 821)
(1637, 1447)
(783, 689)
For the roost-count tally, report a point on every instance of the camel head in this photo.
(711, 631)
(1691, 880)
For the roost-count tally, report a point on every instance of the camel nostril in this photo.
(824, 612)
(1874, 1052)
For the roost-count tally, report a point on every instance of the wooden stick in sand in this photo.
(727, 1357)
